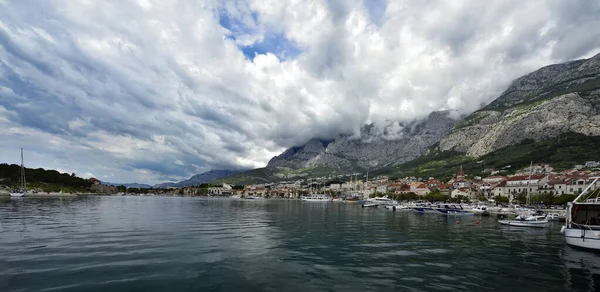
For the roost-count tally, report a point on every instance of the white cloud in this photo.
(149, 90)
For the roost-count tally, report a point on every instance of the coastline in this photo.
(47, 195)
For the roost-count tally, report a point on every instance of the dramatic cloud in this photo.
(154, 90)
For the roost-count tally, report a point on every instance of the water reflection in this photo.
(581, 269)
(199, 244)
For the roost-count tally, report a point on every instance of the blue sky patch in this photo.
(277, 44)
(376, 10)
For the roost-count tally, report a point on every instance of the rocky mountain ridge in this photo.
(128, 185)
(198, 179)
(376, 146)
(554, 100)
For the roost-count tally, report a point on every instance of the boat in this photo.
(382, 201)
(338, 199)
(422, 208)
(481, 210)
(451, 209)
(317, 198)
(538, 221)
(354, 199)
(541, 223)
(22, 191)
(582, 224)
(398, 207)
(368, 204)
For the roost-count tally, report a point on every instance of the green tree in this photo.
(564, 199)
(520, 198)
(501, 199)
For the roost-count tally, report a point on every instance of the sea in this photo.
(220, 244)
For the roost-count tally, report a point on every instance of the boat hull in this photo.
(18, 194)
(424, 210)
(582, 238)
(453, 212)
(369, 205)
(519, 223)
(316, 200)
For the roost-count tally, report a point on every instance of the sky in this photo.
(158, 90)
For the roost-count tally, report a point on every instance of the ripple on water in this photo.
(198, 244)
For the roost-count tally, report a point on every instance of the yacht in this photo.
(582, 225)
(451, 209)
(22, 191)
(377, 201)
(317, 198)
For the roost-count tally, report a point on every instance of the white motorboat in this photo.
(316, 198)
(537, 221)
(582, 225)
(480, 210)
(398, 207)
(381, 201)
(22, 191)
(377, 201)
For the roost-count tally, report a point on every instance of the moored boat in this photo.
(316, 198)
(398, 207)
(582, 224)
(480, 210)
(525, 223)
(538, 221)
(22, 191)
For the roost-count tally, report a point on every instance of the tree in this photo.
(564, 199)
(521, 198)
(501, 199)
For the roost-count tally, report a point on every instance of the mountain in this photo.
(545, 104)
(130, 185)
(198, 179)
(551, 115)
(375, 147)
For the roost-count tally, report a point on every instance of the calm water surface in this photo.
(200, 244)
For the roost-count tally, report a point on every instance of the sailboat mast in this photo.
(23, 182)
(529, 182)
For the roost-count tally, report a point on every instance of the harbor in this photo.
(270, 244)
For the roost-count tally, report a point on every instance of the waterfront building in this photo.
(225, 190)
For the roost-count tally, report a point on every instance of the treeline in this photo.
(10, 174)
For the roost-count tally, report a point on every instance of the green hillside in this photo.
(46, 180)
(572, 149)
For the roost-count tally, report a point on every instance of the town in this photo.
(539, 182)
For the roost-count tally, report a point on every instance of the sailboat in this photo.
(525, 219)
(22, 191)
